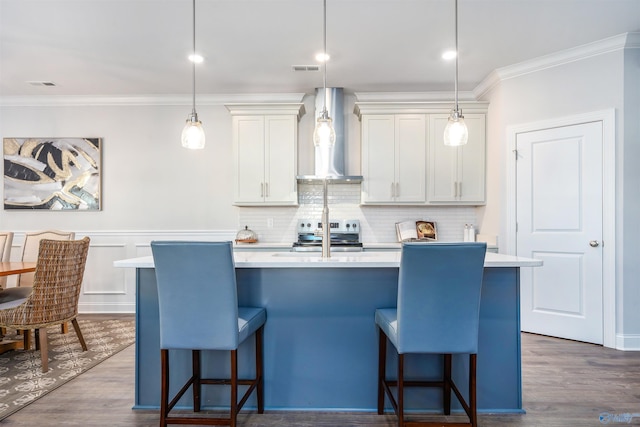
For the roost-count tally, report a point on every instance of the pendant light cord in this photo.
(193, 59)
(324, 53)
(456, 39)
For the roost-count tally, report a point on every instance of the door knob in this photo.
(594, 243)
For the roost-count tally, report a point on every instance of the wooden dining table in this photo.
(7, 269)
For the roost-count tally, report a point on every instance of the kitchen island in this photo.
(320, 339)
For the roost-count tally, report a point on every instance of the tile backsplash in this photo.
(278, 224)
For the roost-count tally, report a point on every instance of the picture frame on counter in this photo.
(55, 174)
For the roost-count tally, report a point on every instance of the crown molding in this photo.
(262, 108)
(146, 100)
(416, 107)
(600, 47)
(412, 96)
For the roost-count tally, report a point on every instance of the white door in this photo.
(559, 220)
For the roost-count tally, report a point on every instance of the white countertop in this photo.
(378, 259)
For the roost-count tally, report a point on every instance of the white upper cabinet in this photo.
(265, 154)
(393, 158)
(405, 161)
(456, 174)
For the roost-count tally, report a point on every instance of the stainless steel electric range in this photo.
(345, 235)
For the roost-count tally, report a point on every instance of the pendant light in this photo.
(456, 133)
(193, 134)
(324, 135)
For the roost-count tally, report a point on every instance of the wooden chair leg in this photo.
(382, 364)
(164, 387)
(64, 328)
(76, 327)
(234, 388)
(196, 387)
(259, 370)
(472, 390)
(26, 339)
(400, 390)
(44, 349)
(446, 386)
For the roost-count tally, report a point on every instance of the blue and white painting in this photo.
(52, 173)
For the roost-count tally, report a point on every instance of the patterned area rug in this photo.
(21, 377)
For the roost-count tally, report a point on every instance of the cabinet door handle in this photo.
(266, 186)
(262, 189)
(393, 191)
(459, 188)
(397, 189)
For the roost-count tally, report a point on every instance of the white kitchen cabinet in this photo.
(456, 175)
(394, 158)
(265, 154)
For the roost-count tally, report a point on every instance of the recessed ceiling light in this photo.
(196, 58)
(41, 83)
(449, 54)
(305, 67)
(322, 57)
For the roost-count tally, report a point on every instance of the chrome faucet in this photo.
(326, 227)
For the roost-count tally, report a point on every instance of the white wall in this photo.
(629, 185)
(152, 188)
(148, 180)
(604, 81)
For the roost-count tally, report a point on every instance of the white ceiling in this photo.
(140, 47)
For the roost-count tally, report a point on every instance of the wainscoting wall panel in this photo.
(107, 289)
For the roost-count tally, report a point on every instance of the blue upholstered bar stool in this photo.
(437, 312)
(198, 304)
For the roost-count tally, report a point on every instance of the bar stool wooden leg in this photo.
(446, 386)
(472, 390)
(164, 388)
(259, 370)
(400, 390)
(234, 387)
(196, 386)
(382, 364)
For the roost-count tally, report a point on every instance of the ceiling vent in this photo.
(42, 83)
(305, 67)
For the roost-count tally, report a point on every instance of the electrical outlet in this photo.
(269, 222)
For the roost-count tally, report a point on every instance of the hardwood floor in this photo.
(565, 383)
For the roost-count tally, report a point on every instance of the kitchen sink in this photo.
(333, 254)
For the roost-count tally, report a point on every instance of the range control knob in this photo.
(309, 225)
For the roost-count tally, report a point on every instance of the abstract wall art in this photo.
(60, 174)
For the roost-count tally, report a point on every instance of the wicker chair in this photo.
(56, 289)
(31, 245)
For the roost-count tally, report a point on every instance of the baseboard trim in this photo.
(628, 342)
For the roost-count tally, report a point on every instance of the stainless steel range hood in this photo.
(334, 171)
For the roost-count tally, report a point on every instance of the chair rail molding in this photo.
(106, 289)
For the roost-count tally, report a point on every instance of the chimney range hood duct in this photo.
(334, 169)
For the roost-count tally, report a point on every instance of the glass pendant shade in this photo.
(456, 132)
(324, 135)
(193, 133)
